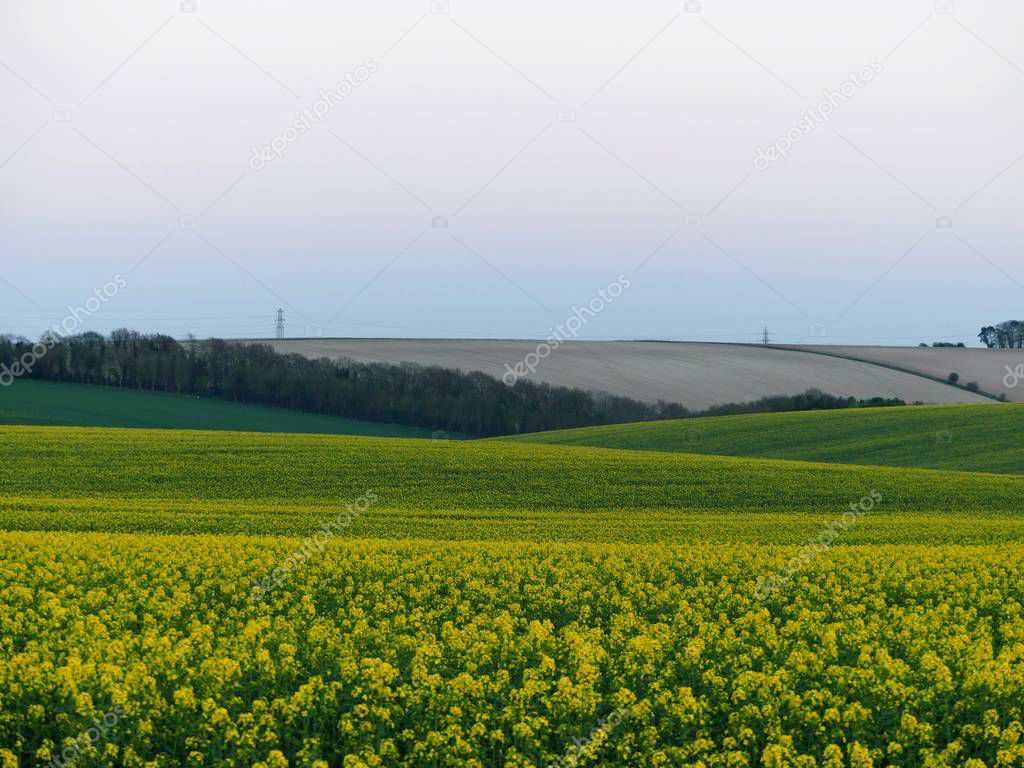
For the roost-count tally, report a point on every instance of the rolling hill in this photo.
(697, 375)
(958, 437)
(47, 403)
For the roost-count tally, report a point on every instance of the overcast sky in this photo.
(497, 163)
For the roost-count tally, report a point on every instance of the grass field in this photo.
(271, 600)
(963, 437)
(48, 403)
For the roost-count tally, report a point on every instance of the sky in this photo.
(838, 172)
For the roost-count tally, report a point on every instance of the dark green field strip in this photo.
(977, 438)
(48, 403)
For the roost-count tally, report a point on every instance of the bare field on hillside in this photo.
(988, 367)
(695, 374)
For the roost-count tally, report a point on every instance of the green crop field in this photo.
(48, 403)
(201, 598)
(980, 438)
(414, 474)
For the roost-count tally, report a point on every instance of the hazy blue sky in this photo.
(123, 120)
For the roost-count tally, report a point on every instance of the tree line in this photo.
(1005, 335)
(468, 403)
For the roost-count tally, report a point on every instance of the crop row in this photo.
(635, 526)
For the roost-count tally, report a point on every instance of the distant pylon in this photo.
(765, 339)
(279, 325)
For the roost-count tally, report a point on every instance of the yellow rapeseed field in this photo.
(410, 654)
(186, 619)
